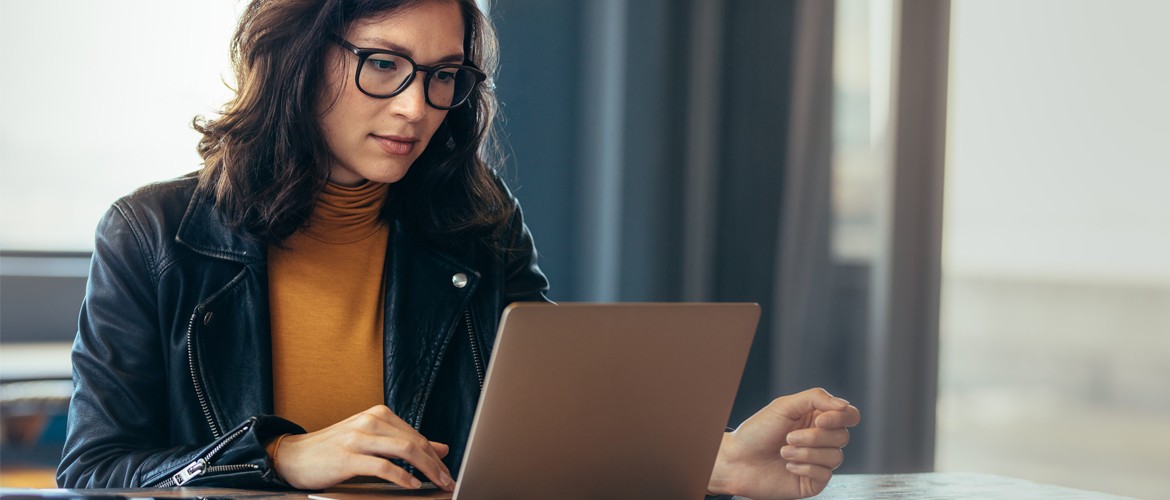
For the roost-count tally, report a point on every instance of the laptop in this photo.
(587, 401)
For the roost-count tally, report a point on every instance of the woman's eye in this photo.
(445, 76)
(383, 64)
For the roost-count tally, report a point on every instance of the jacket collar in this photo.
(204, 231)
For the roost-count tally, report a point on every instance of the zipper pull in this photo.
(192, 471)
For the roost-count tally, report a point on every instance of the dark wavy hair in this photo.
(266, 160)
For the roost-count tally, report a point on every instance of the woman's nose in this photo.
(412, 102)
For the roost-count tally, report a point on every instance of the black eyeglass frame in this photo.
(363, 53)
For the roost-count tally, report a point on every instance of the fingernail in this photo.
(792, 438)
(445, 479)
(788, 452)
(817, 421)
(790, 466)
(415, 483)
(841, 402)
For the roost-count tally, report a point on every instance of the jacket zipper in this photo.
(474, 347)
(203, 403)
(475, 354)
(200, 466)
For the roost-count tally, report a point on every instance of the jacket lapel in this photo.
(231, 333)
(425, 300)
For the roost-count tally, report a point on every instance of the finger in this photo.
(796, 406)
(825, 457)
(417, 452)
(848, 417)
(389, 446)
(365, 465)
(384, 431)
(814, 472)
(373, 435)
(816, 437)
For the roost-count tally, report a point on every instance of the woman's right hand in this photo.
(361, 445)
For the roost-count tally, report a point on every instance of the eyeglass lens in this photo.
(385, 75)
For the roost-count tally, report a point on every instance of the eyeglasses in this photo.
(385, 73)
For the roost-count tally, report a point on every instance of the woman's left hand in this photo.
(788, 449)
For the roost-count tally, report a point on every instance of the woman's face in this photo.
(378, 139)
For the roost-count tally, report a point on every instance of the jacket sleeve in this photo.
(118, 432)
(523, 279)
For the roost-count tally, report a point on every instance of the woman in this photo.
(318, 302)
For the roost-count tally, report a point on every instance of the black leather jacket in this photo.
(172, 364)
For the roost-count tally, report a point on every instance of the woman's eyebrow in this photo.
(377, 42)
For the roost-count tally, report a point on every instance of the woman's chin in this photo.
(388, 174)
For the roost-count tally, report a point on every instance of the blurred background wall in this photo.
(1056, 292)
(949, 205)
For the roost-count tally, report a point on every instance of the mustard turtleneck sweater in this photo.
(325, 300)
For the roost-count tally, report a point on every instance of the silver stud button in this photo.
(459, 280)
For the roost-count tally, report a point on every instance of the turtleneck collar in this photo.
(346, 214)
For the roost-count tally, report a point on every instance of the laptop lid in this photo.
(606, 400)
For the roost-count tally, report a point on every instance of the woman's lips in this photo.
(395, 145)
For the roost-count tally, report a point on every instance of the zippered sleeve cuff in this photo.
(239, 458)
